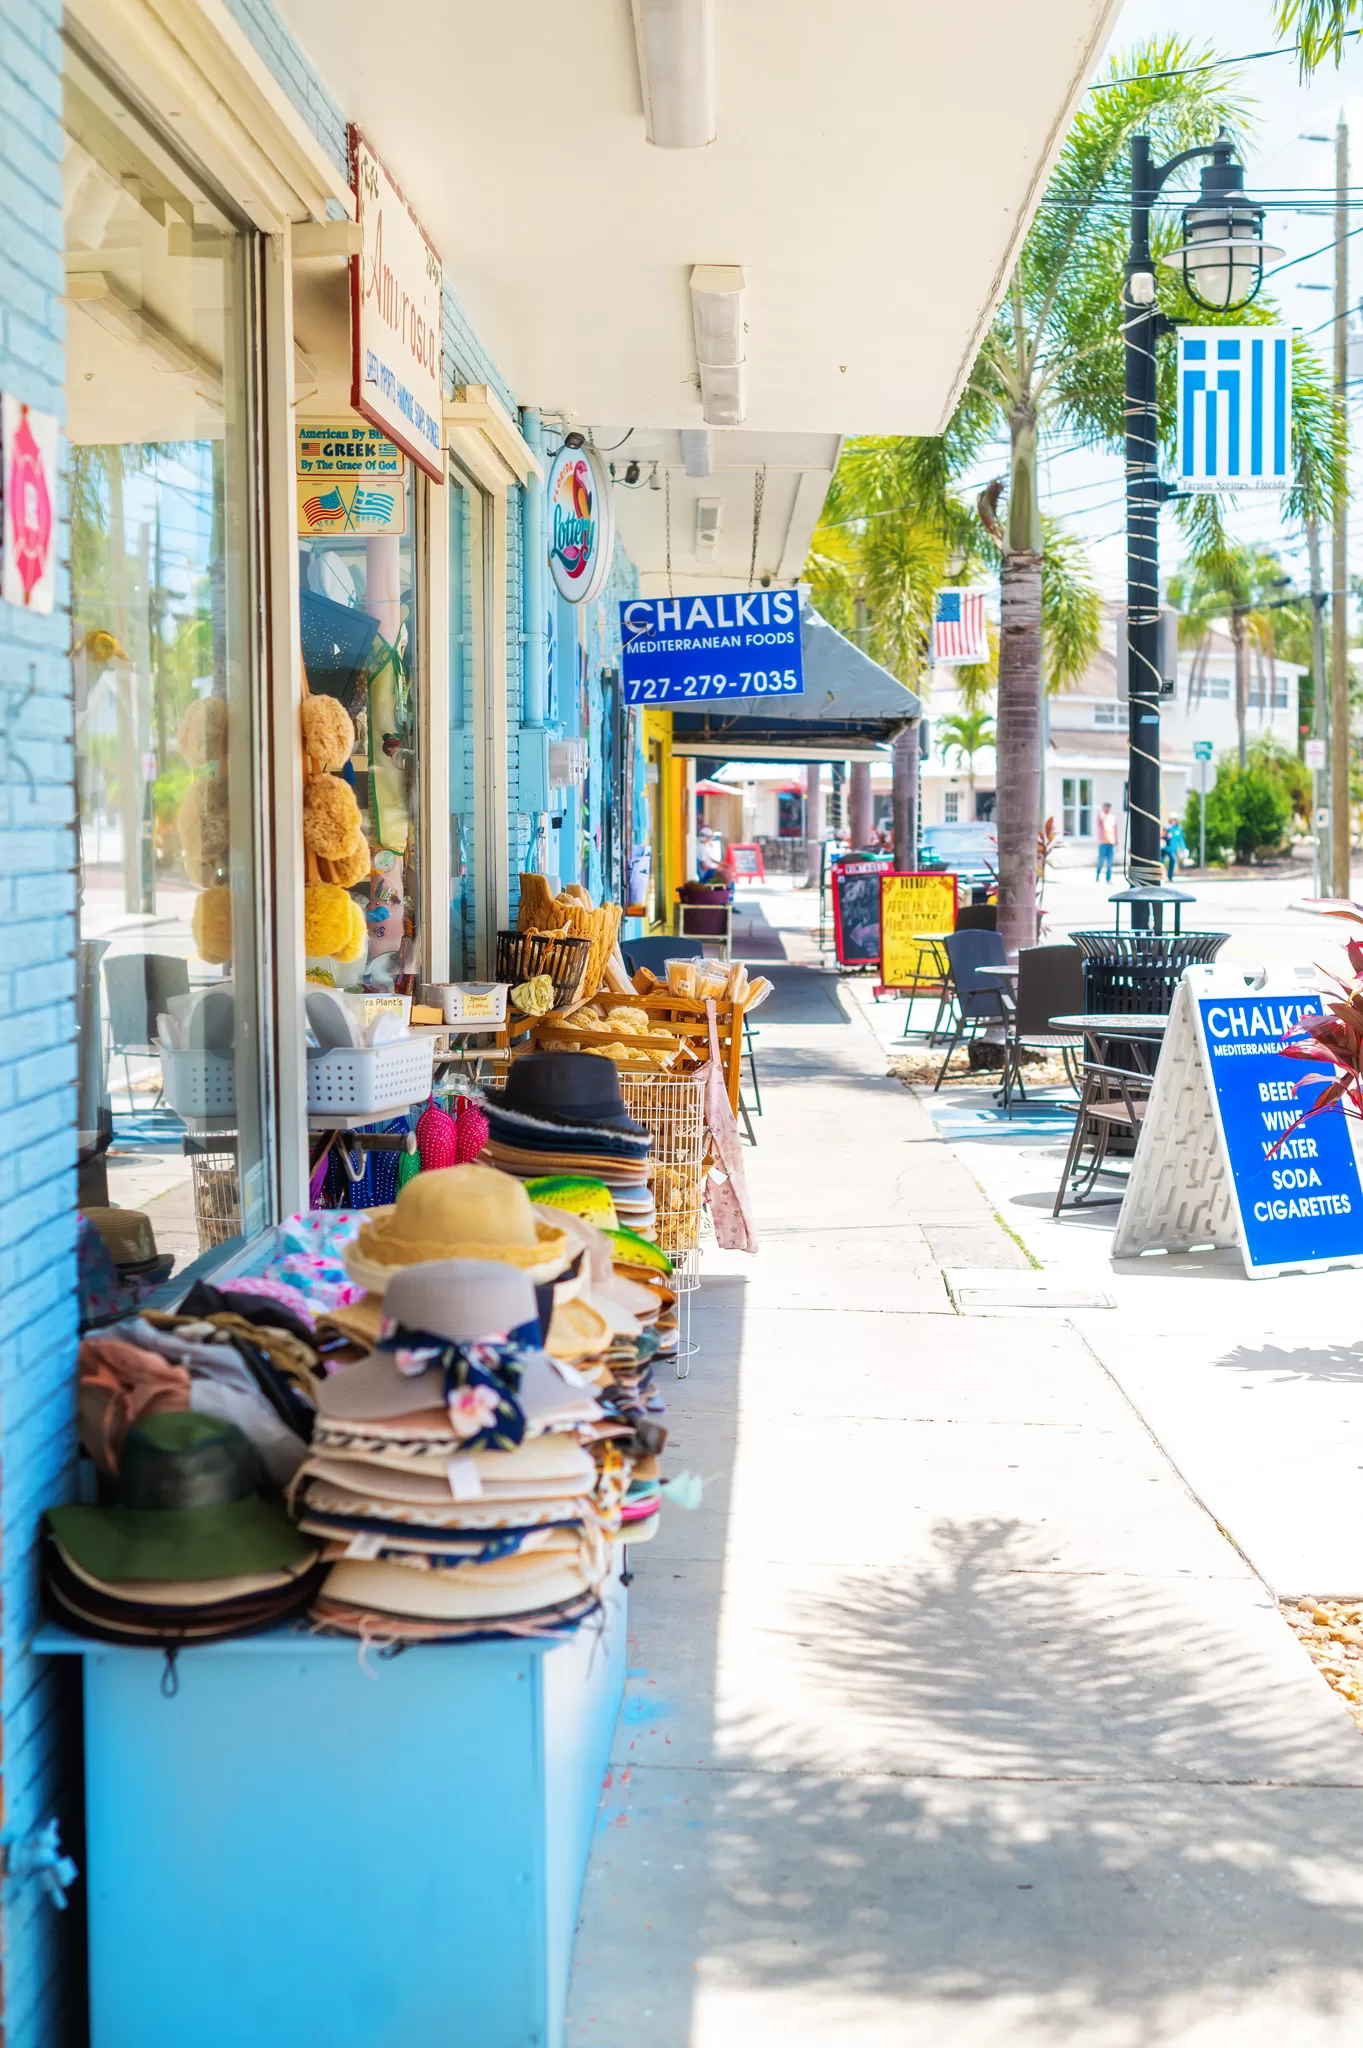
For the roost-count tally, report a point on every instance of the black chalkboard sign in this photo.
(856, 911)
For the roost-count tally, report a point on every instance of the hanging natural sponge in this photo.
(328, 732)
(348, 868)
(333, 924)
(212, 926)
(205, 825)
(359, 933)
(203, 732)
(331, 818)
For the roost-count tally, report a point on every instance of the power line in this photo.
(1207, 64)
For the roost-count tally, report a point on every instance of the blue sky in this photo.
(1086, 488)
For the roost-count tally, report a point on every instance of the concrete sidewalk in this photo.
(953, 1719)
(1253, 1387)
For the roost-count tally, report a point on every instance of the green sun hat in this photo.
(189, 1507)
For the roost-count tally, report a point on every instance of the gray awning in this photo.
(847, 696)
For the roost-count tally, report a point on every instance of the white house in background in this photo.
(1086, 751)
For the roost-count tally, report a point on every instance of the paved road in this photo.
(953, 1720)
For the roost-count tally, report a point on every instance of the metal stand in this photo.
(685, 1281)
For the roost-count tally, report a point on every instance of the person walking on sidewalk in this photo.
(1107, 841)
(1173, 847)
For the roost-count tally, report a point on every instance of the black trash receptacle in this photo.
(1130, 971)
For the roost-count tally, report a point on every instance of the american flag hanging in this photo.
(958, 629)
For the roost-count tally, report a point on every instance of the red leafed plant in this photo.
(1337, 1034)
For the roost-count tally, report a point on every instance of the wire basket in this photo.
(217, 1190)
(671, 1107)
(523, 955)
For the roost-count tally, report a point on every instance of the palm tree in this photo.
(893, 532)
(1242, 586)
(1320, 27)
(965, 734)
(1053, 361)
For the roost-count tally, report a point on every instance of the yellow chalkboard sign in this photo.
(909, 906)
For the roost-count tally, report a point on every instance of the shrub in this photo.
(1249, 812)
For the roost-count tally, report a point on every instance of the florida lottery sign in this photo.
(1223, 1158)
(581, 520)
(396, 317)
(1235, 408)
(735, 645)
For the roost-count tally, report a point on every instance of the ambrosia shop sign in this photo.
(395, 315)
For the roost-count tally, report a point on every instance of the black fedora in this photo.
(568, 1088)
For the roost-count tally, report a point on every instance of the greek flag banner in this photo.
(1235, 408)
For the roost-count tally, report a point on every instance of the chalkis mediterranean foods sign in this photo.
(581, 520)
(396, 286)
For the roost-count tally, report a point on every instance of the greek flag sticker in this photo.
(1235, 408)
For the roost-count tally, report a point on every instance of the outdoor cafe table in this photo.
(1102, 1028)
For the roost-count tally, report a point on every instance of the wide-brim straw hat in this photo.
(374, 1390)
(456, 1212)
(472, 1592)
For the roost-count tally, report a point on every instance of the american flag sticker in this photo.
(958, 629)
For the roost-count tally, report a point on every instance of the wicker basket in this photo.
(523, 955)
(217, 1189)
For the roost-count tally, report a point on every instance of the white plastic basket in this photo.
(199, 1083)
(354, 1080)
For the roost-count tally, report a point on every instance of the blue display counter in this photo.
(304, 1846)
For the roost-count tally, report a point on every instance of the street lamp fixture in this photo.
(1223, 251)
(1222, 257)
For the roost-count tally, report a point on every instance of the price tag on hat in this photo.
(465, 1480)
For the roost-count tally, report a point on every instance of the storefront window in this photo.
(358, 626)
(165, 604)
(470, 867)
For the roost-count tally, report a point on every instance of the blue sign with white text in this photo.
(740, 644)
(1304, 1204)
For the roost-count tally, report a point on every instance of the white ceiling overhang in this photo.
(874, 169)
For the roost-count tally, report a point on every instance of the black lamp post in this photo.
(1222, 260)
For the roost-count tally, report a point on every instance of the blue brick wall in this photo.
(299, 78)
(37, 1054)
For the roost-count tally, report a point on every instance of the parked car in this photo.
(970, 851)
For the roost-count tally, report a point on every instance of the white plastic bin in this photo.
(354, 1080)
(199, 1083)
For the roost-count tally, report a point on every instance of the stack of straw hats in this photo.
(463, 1482)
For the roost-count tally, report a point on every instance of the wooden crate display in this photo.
(681, 1016)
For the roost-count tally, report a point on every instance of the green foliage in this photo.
(1320, 27)
(1071, 608)
(1288, 769)
(965, 734)
(1249, 811)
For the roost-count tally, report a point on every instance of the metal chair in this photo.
(979, 999)
(138, 987)
(1050, 984)
(1113, 1098)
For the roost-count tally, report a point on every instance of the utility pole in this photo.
(1341, 821)
(1320, 720)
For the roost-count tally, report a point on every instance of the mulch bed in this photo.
(1331, 1633)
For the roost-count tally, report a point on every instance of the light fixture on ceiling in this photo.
(717, 319)
(709, 518)
(675, 43)
(697, 447)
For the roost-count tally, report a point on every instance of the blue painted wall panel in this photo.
(37, 1067)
